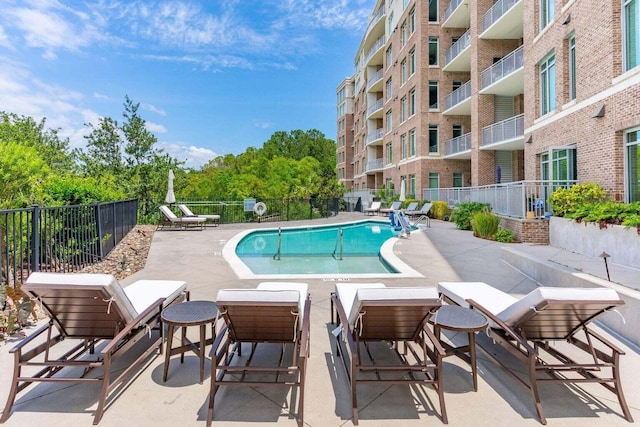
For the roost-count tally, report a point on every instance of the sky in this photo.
(211, 77)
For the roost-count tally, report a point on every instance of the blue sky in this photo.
(211, 77)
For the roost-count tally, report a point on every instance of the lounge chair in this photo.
(181, 222)
(89, 308)
(527, 327)
(424, 210)
(214, 219)
(394, 207)
(369, 313)
(373, 209)
(271, 313)
(411, 206)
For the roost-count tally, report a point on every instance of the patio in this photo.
(442, 253)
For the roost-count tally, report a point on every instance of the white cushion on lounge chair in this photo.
(260, 296)
(185, 210)
(487, 296)
(346, 293)
(515, 311)
(294, 286)
(143, 293)
(168, 213)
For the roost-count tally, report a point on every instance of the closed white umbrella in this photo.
(403, 191)
(171, 198)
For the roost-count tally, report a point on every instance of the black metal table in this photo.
(460, 319)
(189, 313)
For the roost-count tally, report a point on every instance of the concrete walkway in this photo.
(441, 253)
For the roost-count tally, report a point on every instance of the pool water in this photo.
(317, 250)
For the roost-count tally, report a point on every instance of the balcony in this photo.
(374, 166)
(374, 82)
(375, 20)
(505, 77)
(458, 102)
(458, 147)
(507, 135)
(375, 109)
(456, 15)
(458, 57)
(374, 137)
(505, 20)
(374, 55)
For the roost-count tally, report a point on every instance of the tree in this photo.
(104, 154)
(22, 172)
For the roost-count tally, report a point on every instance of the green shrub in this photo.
(504, 236)
(485, 224)
(463, 213)
(440, 209)
(565, 201)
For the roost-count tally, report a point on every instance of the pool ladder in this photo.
(277, 256)
(340, 241)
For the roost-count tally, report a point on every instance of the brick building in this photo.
(459, 93)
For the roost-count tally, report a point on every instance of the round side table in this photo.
(189, 313)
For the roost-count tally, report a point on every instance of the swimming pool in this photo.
(350, 250)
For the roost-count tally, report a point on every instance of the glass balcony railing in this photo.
(375, 106)
(374, 78)
(376, 46)
(375, 135)
(458, 144)
(458, 95)
(497, 10)
(373, 165)
(502, 68)
(451, 8)
(461, 44)
(375, 18)
(505, 130)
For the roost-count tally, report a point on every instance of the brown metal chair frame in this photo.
(88, 314)
(557, 320)
(398, 321)
(260, 322)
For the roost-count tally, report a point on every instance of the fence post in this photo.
(98, 220)
(35, 238)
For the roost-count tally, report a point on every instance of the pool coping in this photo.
(387, 253)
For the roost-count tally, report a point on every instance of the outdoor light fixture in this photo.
(529, 139)
(599, 112)
(604, 256)
(567, 20)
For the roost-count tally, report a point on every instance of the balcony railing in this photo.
(513, 199)
(375, 106)
(375, 135)
(502, 68)
(461, 44)
(376, 46)
(497, 10)
(373, 165)
(458, 144)
(373, 79)
(458, 95)
(375, 18)
(511, 128)
(453, 5)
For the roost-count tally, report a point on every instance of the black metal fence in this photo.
(61, 239)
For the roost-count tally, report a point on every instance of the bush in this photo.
(463, 213)
(440, 210)
(504, 236)
(565, 201)
(485, 224)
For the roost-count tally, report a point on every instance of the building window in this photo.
(412, 142)
(433, 138)
(632, 141)
(457, 179)
(389, 88)
(433, 51)
(403, 34)
(546, 12)
(433, 94)
(412, 21)
(412, 186)
(403, 145)
(412, 102)
(559, 164)
(631, 34)
(403, 71)
(572, 68)
(457, 131)
(434, 180)
(389, 121)
(548, 85)
(412, 61)
(389, 57)
(391, 22)
(433, 10)
(403, 109)
(389, 153)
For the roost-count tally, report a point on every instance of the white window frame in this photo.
(627, 165)
(625, 35)
(572, 67)
(547, 13)
(547, 81)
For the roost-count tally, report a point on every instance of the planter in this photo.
(622, 244)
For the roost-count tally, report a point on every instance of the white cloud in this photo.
(4, 39)
(155, 127)
(194, 157)
(153, 109)
(264, 125)
(100, 96)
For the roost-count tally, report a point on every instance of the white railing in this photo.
(453, 5)
(458, 144)
(458, 95)
(376, 46)
(513, 199)
(511, 128)
(497, 10)
(374, 164)
(375, 135)
(375, 106)
(374, 19)
(373, 79)
(507, 65)
(461, 44)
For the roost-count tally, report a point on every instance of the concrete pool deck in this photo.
(441, 253)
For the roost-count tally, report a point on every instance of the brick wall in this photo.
(527, 230)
